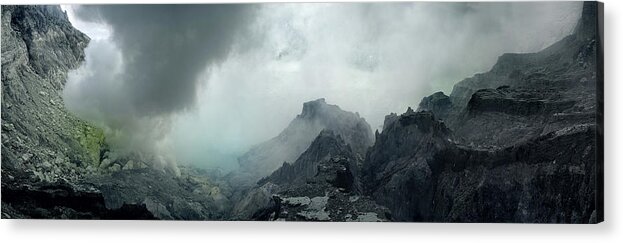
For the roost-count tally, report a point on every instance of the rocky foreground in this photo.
(520, 143)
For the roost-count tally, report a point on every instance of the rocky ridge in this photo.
(520, 143)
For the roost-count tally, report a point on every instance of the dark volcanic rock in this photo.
(23, 198)
(529, 95)
(438, 103)
(325, 147)
(128, 194)
(519, 143)
(399, 169)
(550, 179)
(517, 101)
(505, 116)
(321, 185)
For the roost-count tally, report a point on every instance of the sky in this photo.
(201, 84)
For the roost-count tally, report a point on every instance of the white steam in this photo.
(372, 58)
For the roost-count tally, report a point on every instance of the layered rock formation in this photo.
(423, 173)
(520, 143)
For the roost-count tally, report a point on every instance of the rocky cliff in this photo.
(39, 47)
(519, 143)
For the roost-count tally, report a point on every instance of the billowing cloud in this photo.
(165, 47)
(372, 58)
(144, 63)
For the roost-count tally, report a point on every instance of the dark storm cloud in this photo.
(165, 48)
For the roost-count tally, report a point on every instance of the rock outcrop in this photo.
(327, 145)
(438, 102)
(39, 47)
(26, 198)
(316, 115)
(422, 173)
(321, 185)
(400, 169)
(520, 143)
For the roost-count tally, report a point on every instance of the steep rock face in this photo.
(39, 47)
(400, 169)
(321, 185)
(438, 102)
(567, 72)
(505, 116)
(316, 115)
(528, 95)
(429, 176)
(549, 179)
(525, 142)
(327, 145)
(517, 101)
(41, 142)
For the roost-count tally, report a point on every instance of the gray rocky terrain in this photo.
(321, 185)
(520, 143)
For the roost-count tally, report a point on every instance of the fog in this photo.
(201, 84)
